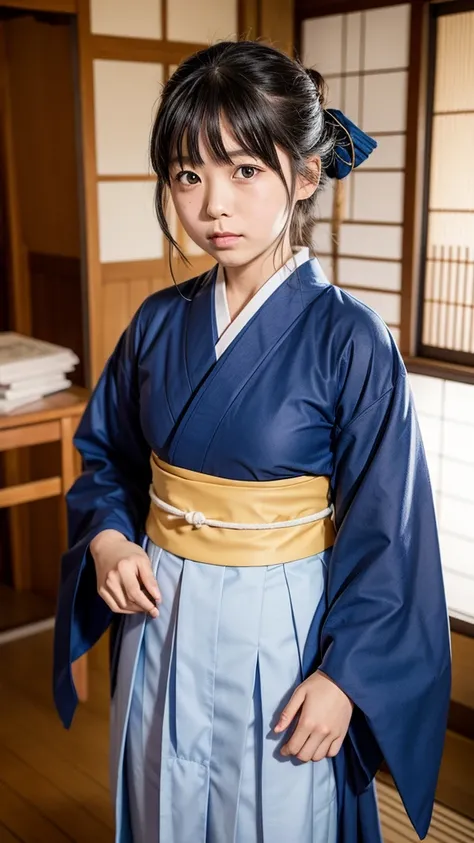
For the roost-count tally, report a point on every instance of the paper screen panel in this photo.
(128, 228)
(322, 44)
(448, 308)
(326, 266)
(322, 238)
(452, 188)
(353, 41)
(385, 102)
(378, 275)
(378, 197)
(454, 88)
(126, 18)
(459, 590)
(126, 98)
(352, 100)
(202, 21)
(390, 152)
(378, 241)
(451, 229)
(387, 38)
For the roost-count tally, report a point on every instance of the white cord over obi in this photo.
(198, 519)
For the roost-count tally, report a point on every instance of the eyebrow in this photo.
(232, 153)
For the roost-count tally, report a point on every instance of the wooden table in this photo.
(52, 419)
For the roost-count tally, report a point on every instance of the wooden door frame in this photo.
(68, 7)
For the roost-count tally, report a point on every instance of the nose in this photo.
(217, 200)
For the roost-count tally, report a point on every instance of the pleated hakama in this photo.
(202, 763)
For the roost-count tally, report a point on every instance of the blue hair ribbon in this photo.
(353, 146)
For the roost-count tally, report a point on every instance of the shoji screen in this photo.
(448, 307)
(133, 46)
(364, 59)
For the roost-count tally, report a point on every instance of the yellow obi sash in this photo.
(246, 507)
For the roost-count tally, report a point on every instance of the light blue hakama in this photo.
(199, 761)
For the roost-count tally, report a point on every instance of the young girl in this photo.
(255, 514)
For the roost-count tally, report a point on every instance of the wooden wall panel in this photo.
(139, 289)
(44, 134)
(276, 23)
(56, 304)
(463, 673)
(116, 313)
(44, 233)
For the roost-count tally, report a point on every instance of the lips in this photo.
(224, 238)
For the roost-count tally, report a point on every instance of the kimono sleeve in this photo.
(111, 493)
(385, 638)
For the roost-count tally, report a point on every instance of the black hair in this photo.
(266, 98)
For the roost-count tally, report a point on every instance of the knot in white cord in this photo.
(197, 519)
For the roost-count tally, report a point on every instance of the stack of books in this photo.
(31, 369)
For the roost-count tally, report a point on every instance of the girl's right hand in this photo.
(124, 576)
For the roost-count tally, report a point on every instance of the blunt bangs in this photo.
(196, 113)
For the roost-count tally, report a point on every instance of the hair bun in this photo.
(319, 84)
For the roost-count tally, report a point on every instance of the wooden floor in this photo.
(54, 783)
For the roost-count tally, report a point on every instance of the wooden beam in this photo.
(68, 7)
(277, 23)
(322, 8)
(128, 270)
(440, 369)
(141, 49)
(35, 434)
(413, 187)
(88, 200)
(248, 19)
(128, 177)
(28, 492)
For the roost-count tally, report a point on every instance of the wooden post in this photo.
(68, 475)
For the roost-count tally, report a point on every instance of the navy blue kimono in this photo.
(312, 385)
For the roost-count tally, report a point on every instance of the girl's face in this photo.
(234, 212)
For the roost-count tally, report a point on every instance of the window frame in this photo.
(423, 351)
(414, 167)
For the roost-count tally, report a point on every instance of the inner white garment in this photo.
(227, 330)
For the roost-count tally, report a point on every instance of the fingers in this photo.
(122, 590)
(321, 750)
(108, 598)
(291, 709)
(133, 592)
(318, 745)
(335, 747)
(307, 738)
(147, 578)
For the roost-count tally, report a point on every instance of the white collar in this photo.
(227, 330)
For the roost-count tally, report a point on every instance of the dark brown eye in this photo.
(187, 177)
(248, 172)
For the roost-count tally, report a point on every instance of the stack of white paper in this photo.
(31, 369)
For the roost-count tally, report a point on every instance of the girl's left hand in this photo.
(325, 715)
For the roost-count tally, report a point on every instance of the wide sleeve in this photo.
(111, 493)
(385, 637)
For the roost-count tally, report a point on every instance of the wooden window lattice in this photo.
(446, 328)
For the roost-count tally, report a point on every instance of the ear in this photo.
(307, 184)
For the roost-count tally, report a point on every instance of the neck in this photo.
(242, 282)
